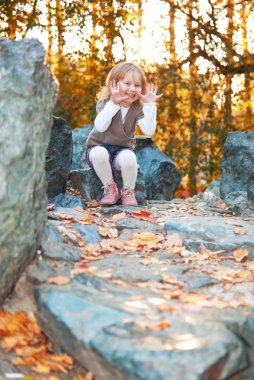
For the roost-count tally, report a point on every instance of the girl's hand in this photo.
(115, 95)
(150, 96)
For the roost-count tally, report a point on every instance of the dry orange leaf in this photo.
(78, 208)
(145, 239)
(58, 280)
(80, 376)
(108, 232)
(93, 204)
(250, 265)
(141, 214)
(118, 216)
(160, 325)
(240, 231)
(232, 223)
(240, 254)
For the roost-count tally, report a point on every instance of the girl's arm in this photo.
(104, 117)
(148, 123)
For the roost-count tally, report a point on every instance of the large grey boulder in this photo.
(237, 164)
(158, 171)
(59, 157)
(27, 97)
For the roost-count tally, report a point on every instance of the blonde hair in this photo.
(117, 73)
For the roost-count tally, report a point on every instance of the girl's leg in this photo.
(99, 158)
(126, 162)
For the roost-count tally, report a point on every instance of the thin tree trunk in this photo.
(12, 22)
(172, 48)
(49, 29)
(140, 23)
(60, 27)
(228, 120)
(193, 152)
(247, 81)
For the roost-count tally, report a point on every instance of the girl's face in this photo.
(131, 86)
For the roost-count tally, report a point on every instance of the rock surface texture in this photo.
(162, 291)
(59, 157)
(27, 96)
(237, 164)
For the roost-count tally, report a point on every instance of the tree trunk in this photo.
(193, 151)
(247, 81)
(60, 27)
(228, 120)
(49, 29)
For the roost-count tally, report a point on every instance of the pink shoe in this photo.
(111, 194)
(128, 197)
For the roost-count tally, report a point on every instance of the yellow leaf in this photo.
(239, 231)
(240, 254)
(118, 216)
(58, 280)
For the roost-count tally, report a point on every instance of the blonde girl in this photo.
(124, 101)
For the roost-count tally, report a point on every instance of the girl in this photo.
(124, 101)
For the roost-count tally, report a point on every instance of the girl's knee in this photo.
(127, 158)
(99, 154)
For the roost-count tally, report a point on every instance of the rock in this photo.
(212, 194)
(55, 246)
(39, 273)
(214, 233)
(27, 97)
(111, 330)
(89, 233)
(238, 202)
(237, 163)
(160, 173)
(250, 194)
(59, 157)
(90, 187)
(61, 251)
(136, 224)
(67, 200)
(157, 173)
(79, 137)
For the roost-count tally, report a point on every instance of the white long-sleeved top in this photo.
(147, 124)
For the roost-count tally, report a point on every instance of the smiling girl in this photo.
(124, 101)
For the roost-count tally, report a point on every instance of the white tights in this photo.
(126, 162)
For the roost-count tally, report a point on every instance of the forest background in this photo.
(200, 53)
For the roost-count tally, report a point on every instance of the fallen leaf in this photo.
(58, 280)
(81, 376)
(232, 223)
(250, 265)
(118, 216)
(173, 244)
(145, 239)
(78, 208)
(108, 232)
(222, 206)
(93, 204)
(141, 214)
(159, 326)
(239, 231)
(240, 254)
